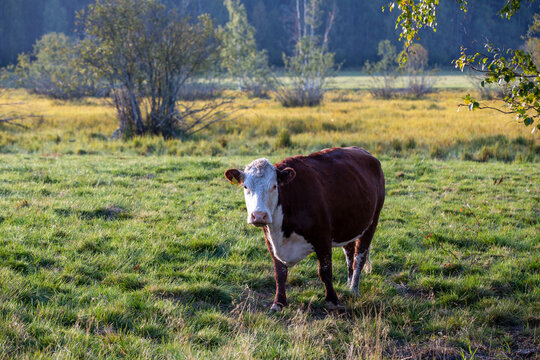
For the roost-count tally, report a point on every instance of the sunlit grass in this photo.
(354, 80)
(150, 257)
(429, 127)
(107, 253)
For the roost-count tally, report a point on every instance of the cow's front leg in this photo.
(280, 272)
(325, 273)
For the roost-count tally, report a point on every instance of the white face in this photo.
(260, 192)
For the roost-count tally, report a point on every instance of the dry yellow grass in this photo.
(345, 118)
(434, 119)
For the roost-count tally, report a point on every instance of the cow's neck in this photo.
(275, 228)
(291, 249)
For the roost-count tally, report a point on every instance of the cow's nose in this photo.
(259, 218)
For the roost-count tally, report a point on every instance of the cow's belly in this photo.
(336, 242)
(290, 250)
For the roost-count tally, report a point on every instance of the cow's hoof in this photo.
(276, 307)
(334, 307)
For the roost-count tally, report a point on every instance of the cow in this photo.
(313, 203)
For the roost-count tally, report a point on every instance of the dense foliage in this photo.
(239, 55)
(514, 70)
(358, 28)
(54, 69)
(147, 53)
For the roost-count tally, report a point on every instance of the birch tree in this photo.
(244, 63)
(311, 64)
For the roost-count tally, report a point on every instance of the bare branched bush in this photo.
(420, 84)
(200, 89)
(384, 72)
(298, 96)
(151, 55)
(419, 81)
(259, 86)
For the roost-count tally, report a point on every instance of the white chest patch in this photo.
(288, 250)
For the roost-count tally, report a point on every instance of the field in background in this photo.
(354, 80)
(150, 257)
(139, 248)
(428, 128)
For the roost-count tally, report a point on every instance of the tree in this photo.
(239, 52)
(23, 22)
(312, 63)
(147, 52)
(384, 72)
(53, 69)
(419, 81)
(514, 69)
(532, 41)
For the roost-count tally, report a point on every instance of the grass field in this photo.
(429, 128)
(139, 248)
(353, 80)
(150, 257)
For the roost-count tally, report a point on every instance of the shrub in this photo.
(53, 69)
(239, 55)
(311, 65)
(384, 72)
(419, 81)
(148, 52)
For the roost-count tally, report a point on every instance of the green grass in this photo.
(429, 128)
(150, 257)
(355, 80)
(358, 80)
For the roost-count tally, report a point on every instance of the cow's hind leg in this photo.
(325, 273)
(349, 257)
(361, 256)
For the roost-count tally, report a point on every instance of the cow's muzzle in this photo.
(259, 218)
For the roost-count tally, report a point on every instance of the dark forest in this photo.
(358, 28)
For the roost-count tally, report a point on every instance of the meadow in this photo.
(139, 248)
(431, 127)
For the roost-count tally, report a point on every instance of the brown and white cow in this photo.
(312, 203)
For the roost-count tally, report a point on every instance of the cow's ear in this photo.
(235, 176)
(286, 175)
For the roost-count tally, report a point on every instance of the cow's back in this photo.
(336, 193)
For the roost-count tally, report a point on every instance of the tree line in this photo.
(152, 60)
(358, 27)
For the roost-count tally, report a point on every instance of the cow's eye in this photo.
(274, 187)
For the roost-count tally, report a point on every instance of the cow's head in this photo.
(261, 182)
